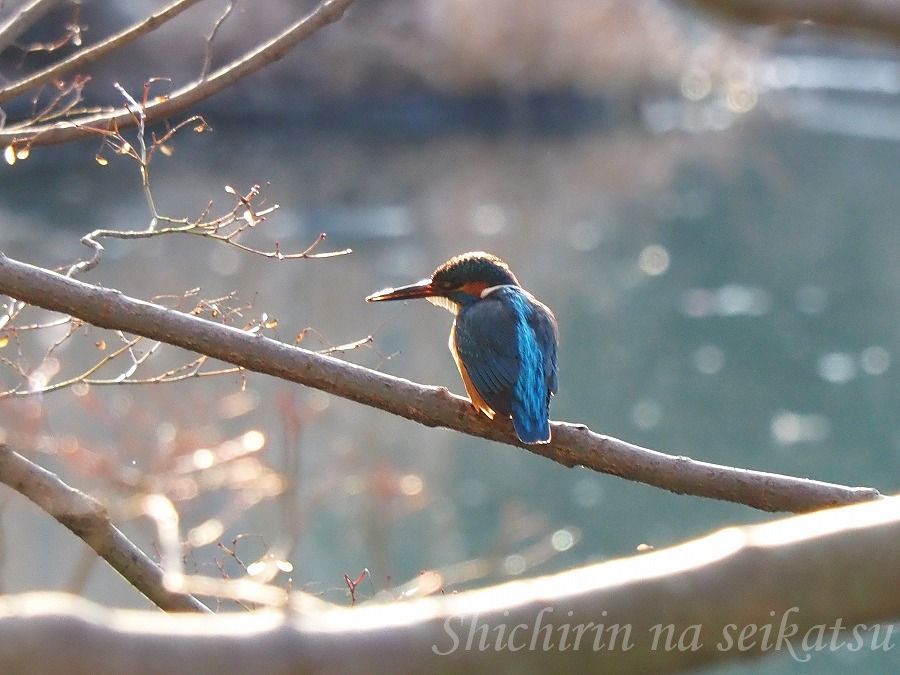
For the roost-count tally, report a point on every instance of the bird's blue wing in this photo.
(485, 338)
(547, 334)
(508, 344)
(537, 368)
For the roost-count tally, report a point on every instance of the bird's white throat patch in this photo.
(446, 303)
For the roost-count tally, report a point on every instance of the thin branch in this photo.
(226, 228)
(62, 102)
(90, 54)
(210, 230)
(792, 588)
(326, 13)
(87, 373)
(87, 519)
(167, 378)
(572, 444)
(347, 347)
(207, 57)
(29, 385)
(62, 321)
(140, 119)
(22, 19)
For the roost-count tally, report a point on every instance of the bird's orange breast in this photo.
(477, 401)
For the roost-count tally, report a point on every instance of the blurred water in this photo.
(726, 294)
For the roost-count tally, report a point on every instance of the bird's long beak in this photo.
(420, 289)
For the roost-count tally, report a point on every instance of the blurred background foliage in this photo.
(710, 211)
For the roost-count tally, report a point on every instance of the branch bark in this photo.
(879, 18)
(326, 13)
(778, 579)
(87, 519)
(571, 445)
(95, 52)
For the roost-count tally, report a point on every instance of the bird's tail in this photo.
(532, 423)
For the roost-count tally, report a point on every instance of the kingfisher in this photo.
(503, 340)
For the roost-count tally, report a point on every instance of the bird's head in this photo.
(461, 280)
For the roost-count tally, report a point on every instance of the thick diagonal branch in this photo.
(572, 445)
(87, 519)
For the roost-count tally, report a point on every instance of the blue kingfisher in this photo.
(503, 340)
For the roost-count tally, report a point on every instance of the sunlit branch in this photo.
(572, 444)
(784, 581)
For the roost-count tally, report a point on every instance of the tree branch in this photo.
(572, 445)
(87, 519)
(879, 18)
(22, 19)
(95, 52)
(778, 579)
(327, 12)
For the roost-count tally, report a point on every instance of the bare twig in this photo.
(22, 19)
(207, 58)
(87, 519)
(95, 52)
(38, 381)
(572, 445)
(227, 228)
(85, 376)
(188, 371)
(71, 35)
(326, 13)
(210, 230)
(349, 346)
(352, 584)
